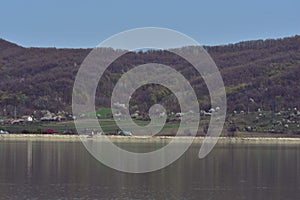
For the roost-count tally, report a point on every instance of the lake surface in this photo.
(65, 170)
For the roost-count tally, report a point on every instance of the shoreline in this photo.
(148, 139)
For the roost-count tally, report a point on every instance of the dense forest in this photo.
(261, 74)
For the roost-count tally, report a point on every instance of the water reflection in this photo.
(65, 170)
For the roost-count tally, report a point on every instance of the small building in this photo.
(27, 118)
(179, 114)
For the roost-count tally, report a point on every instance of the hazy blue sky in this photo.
(59, 23)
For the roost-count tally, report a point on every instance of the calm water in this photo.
(65, 170)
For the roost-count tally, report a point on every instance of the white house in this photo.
(27, 118)
(179, 114)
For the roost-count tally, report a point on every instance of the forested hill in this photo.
(266, 71)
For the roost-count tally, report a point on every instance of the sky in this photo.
(82, 24)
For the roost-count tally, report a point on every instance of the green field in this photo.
(107, 125)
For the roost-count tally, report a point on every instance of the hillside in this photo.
(267, 71)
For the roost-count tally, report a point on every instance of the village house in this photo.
(27, 118)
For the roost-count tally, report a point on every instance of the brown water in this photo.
(65, 170)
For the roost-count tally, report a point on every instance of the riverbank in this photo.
(147, 139)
